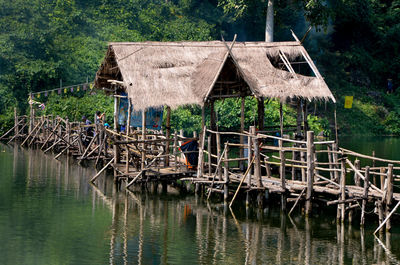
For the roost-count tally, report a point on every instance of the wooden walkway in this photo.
(300, 172)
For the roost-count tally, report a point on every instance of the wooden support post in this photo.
(180, 142)
(260, 111)
(268, 167)
(209, 155)
(299, 119)
(342, 189)
(257, 166)
(226, 173)
(168, 135)
(310, 171)
(282, 170)
(128, 123)
(200, 164)
(330, 160)
(116, 147)
(31, 113)
(241, 149)
(293, 171)
(357, 180)
(175, 150)
(144, 139)
(373, 165)
(305, 114)
(281, 118)
(68, 132)
(389, 195)
(16, 128)
(335, 161)
(382, 171)
(249, 154)
(365, 195)
(219, 169)
(303, 171)
(213, 127)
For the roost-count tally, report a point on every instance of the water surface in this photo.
(49, 214)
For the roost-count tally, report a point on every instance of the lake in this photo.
(50, 214)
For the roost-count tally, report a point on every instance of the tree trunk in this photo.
(269, 25)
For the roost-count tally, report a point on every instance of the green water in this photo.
(49, 214)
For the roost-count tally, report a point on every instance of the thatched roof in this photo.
(180, 73)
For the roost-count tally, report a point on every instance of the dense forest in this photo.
(355, 44)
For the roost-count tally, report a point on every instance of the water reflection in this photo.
(86, 224)
(149, 228)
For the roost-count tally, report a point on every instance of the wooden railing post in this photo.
(219, 169)
(342, 189)
(310, 171)
(357, 165)
(257, 167)
(16, 129)
(209, 155)
(365, 195)
(175, 151)
(389, 195)
(226, 173)
(282, 170)
(167, 135)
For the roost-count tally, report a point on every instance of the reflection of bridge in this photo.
(141, 220)
(298, 171)
(147, 228)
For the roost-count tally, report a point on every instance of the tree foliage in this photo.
(43, 41)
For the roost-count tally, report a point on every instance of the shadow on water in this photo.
(50, 214)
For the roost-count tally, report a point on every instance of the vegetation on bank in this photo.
(355, 47)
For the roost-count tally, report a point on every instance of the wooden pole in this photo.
(219, 169)
(305, 114)
(343, 189)
(168, 135)
(101, 171)
(336, 128)
(175, 151)
(310, 171)
(382, 171)
(298, 117)
(249, 153)
(257, 167)
(365, 197)
(143, 138)
(213, 127)
(260, 111)
(357, 179)
(241, 149)
(16, 128)
(116, 147)
(128, 123)
(281, 118)
(226, 173)
(387, 217)
(335, 160)
(373, 165)
(389, 195)
(31, 114)
(282, 170)
(200, 165)
(209, 154)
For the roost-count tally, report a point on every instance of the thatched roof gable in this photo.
(180, 73)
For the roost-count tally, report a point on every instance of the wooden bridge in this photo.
(248, 166)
